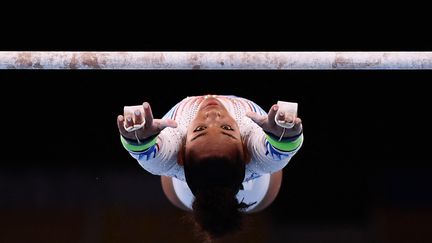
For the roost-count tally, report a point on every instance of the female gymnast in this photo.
(218, 156)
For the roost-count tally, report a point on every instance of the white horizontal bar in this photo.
(215, 60)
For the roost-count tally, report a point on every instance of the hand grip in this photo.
(129, 111)
(289, 109)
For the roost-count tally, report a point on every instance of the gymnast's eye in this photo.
(227, 127)
(200, 128)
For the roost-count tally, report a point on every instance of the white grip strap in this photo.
(289, 109)
(134, 127)
(129, 111)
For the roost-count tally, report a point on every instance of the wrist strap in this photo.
(138, 147)
(285, 145)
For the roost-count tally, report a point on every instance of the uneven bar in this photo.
(216, 60)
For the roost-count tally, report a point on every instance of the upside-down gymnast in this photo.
(218, 156)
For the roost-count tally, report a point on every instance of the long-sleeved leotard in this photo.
(158, 155)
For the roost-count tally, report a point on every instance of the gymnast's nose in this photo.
(213, 114)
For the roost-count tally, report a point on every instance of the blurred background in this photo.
(363, 174)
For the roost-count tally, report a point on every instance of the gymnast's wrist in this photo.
(285, 144)
(139, 145)
(284, 138)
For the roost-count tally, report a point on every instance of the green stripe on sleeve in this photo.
(285, 146)
(137, 148)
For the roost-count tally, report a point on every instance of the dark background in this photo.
(363, 174)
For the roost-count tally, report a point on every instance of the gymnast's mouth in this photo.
(210, 102)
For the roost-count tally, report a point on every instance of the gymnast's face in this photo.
(213, 132)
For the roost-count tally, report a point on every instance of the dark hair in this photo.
(218, 212)
(215, 181)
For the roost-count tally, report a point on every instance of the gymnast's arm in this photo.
(149, 145)
(271, 147)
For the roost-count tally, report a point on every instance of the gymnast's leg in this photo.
(272, 192)
(168, 188)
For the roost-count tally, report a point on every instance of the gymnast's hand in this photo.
(268, 124)
(151, 127)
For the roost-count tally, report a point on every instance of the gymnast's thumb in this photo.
(258, 119)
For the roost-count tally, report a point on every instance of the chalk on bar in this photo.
(290, 109)
(129, 111)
